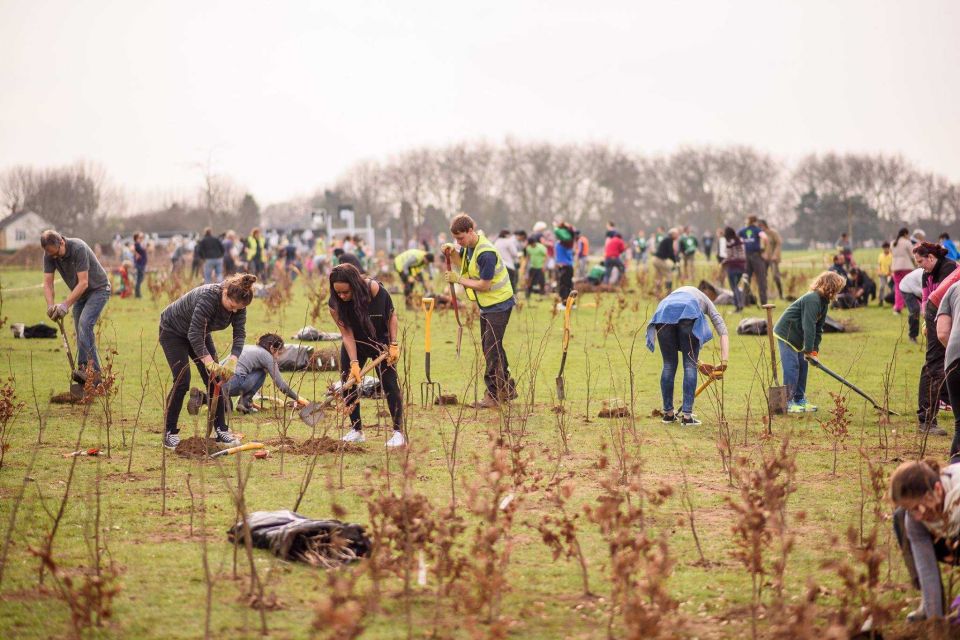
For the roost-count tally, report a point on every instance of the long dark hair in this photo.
(353, 312)
(731, 236)
(925, 249)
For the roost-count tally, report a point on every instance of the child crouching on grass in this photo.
(798, 333)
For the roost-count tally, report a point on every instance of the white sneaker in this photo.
(355, 436)
(397, 440)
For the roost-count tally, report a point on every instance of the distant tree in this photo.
(823, 219)
(248, 214)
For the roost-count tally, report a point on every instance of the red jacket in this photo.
(614, 247)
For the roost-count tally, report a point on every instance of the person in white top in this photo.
(911, 291)
(509, 251)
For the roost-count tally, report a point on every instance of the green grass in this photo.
(162, 587)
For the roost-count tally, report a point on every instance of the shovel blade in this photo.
(76, 391)
(312, 414)
(777, 399)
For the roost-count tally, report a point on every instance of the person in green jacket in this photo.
(799, 331)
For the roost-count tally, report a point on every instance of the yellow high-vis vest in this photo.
(411, 260)
(500, 288)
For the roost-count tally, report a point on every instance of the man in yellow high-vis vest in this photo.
(478, 267)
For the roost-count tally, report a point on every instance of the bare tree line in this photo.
(515, 184)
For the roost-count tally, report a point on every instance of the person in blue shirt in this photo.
(566, 237)
(680, 326)
(754, 242)
(948, 244)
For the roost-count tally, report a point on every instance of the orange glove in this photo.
(393, 353)
(355, 372)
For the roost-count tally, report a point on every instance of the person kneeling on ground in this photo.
(256, 361)
(185, 328)
(680, 326)
(363, 310)
(799, 331)
(927, 525)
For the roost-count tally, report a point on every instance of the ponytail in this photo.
(240, 287)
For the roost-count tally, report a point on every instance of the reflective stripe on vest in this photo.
(500, 288)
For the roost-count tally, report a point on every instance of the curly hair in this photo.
(828, 284)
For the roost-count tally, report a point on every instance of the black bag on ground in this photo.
(752, 327)
(832, 326)
(291, 536)
(41, 330)
(312, 334)
(295, 357)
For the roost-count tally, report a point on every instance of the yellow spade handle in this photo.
(566, 318)
(428, 304)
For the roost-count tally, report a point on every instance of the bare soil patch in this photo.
(196, 448)
(314, 446)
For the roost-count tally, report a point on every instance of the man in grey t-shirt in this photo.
(89, 291)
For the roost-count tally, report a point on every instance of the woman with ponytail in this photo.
(927, 524)
(932, 258)
(185, 328)
(364, 312)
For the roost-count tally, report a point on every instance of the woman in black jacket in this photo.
(936, 266)
(185, 328)
(364, 312)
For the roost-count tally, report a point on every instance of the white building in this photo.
(21, 229)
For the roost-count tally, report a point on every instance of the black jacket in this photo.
(210, 247)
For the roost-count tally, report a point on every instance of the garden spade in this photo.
(429, 390)
(777, 394)
(456, 308)
(836, 376)
(76, 390)
(312, 414)
(566, 343)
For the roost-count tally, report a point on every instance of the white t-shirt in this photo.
(507, 247)
(912, 283)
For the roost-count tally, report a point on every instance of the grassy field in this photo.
(160, 516)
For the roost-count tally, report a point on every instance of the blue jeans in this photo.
(734, 275)
(245, 386)
(212, 266)
(140, 271)
(86, 312)
(795, 369)
(674, 338)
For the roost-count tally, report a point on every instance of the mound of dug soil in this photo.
(314, 446)
(195, 448)
(65, 398)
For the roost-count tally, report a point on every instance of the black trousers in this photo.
(757, 267)
(388, 381)
(912, 303)
(179, 353)
(536, 281)
(932, 388)
(564, 281)
(500, 385)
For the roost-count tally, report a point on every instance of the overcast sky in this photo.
(286, 95)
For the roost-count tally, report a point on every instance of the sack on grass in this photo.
(41, 330)
(291, 536)
(312, 334)
(752, 327)
(295, 357)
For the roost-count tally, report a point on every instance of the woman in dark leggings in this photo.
(932, 258)
(185, 328)
(363, 310)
